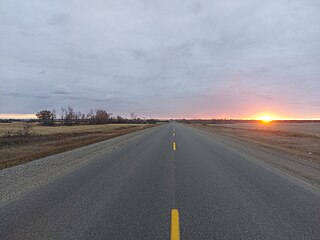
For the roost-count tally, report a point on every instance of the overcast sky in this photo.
(230, 58)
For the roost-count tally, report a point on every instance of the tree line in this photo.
(69, 116)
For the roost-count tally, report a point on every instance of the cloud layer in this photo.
(161, 58)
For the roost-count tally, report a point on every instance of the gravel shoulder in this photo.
(19, 180)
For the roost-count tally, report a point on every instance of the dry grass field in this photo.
(300, 139)
(304, 128)
(46, 141)
(5, 127)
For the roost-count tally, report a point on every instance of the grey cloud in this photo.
(260, 95)
(137, 54)
(42, 96)
(170, 58)
(58, 19)
(196, 7)
(61, 90)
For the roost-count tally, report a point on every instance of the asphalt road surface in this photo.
(129, 193)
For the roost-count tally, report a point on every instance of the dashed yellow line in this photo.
(174, 146)
(175, 225)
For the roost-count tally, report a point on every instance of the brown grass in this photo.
(304, 128)
(5, 127)
(305, 145)
(52, 140)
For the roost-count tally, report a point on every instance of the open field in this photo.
(45, 130)
(299, 139)
(52, 140)
(305, 128)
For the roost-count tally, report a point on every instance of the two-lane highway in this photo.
(173, 180)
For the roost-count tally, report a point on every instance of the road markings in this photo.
(175, 225)
(174, 146)
(173, 133)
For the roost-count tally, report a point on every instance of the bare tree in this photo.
(78, 117)
(120, 119)
(63, 115)
(83, 118)
(46, 117)
(53, 116)
(89, 117)
(133, 116)
(102, 116)
(70, 116)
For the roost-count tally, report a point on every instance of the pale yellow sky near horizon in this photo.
(16, 116)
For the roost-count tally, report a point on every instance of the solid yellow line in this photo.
(174, 146)
(175, 228)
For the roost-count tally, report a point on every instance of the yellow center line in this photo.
(174, 146)
(175, 228)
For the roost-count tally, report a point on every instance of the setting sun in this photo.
(266, 119)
